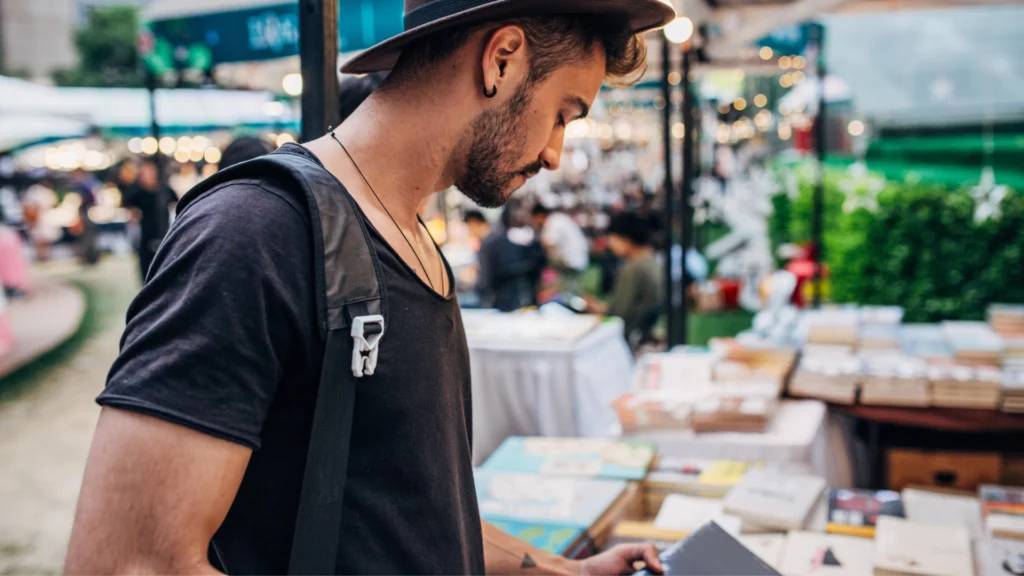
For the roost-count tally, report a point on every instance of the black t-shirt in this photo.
(223, 339)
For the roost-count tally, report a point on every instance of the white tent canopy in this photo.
(127, 110)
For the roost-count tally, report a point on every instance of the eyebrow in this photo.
(584, 108)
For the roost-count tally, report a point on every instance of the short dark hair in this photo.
(553, 41)
(474, 216)
(354, 89)
(632, 227)
(242, 149)
(540, 210)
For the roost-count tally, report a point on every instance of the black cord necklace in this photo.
(395, 222)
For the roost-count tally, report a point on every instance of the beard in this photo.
(496, 134)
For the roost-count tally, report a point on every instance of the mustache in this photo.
(532, 170)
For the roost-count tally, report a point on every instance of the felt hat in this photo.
(426, 17)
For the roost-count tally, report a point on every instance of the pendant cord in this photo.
(395, 222)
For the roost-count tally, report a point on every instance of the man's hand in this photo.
(621, 560)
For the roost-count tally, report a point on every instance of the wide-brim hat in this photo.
(426, 17)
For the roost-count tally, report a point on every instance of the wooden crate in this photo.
(957, 470)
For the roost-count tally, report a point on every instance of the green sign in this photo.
(200, 41)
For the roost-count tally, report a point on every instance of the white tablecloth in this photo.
(547, 388)
(800, 437)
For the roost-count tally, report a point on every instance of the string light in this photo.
(760, 100)
(765, 53)
(678, 130)
(855, 128)
(739, 104)
(674, 78)
(212, 155)
(799, 62)
(150, 145)
(785, 62)
(168, 145)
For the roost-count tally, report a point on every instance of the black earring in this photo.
(492, 93)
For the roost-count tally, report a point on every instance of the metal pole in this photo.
(686, 193)
(666, 94)
(154, 126)
(819, 143)
(318, 52)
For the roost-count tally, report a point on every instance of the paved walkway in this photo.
(47, 416)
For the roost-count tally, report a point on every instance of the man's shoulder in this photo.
(256, 203)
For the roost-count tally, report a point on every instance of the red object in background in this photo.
(803, 267)
(803, 138)
(730, 290)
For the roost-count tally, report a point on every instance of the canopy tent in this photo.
(126, 111)
(19, 131)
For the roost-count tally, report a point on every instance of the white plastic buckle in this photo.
(364, 348)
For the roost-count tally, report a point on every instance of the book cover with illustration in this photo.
(544, 500)
(855, 512)
(775, 499)
(558, 540)
(811, 553)
(586, 457)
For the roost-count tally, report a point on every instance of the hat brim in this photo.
(642, 15)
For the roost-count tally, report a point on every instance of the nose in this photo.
(551, 156)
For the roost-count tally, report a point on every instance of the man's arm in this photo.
(153, 495)
(506, 554)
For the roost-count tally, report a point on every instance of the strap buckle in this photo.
(364, 346)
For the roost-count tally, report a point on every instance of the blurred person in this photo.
(566, 246)
(199, 454)
(127, 175)
(637, 295)
(502, 280)
(39, 199)
(151, 200)
(353, 90)
(87, 187)
(243, 148)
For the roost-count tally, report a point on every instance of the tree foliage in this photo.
(107, 52)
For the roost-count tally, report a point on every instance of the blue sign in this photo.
(265, 32)
(788, 40)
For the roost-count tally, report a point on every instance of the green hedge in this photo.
(914, 245)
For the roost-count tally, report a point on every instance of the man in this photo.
(151, 202)
(504, 266)
(566, 246)
(637, 295)
(241, 149)
(198, 456)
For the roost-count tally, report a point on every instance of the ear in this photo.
(504, 61)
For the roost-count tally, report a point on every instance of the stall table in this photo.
(546, 387)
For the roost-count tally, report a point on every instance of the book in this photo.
(1008, 499)
(707, 478)
(774, 499)
(911, 548)
(768, 547)
(1007, 526)
(585, 457)
(736, 413)
(544, 500)
(855, 512)
(999, 557)
(638, 532)
(808, 553)
(944, 509)
(712, 551)
(687, 513)
(553, 539)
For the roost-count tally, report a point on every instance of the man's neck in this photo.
(404, 148)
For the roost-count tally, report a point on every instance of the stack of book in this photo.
(740, 363)
(833, 379)
(775, 500)
(856, 512)
(584, 457)
(1007, 319)
(836, 326)
(904, 547)
(974, 342)
(878, 337)
(895, 382)
(965, 387)
(890, 315)
(705, 478)
(555, 514)
(682, 513)
(925, 341)
(664, 409)
(733, 414)
(1003, 510)
(1013, 391)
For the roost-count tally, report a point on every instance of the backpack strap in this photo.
(351, 313)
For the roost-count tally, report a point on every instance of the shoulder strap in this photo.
(351, 312)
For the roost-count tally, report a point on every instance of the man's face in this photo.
(511, 143)
(538, 220)
(478, 229)
(618, 245)
(149, 176)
